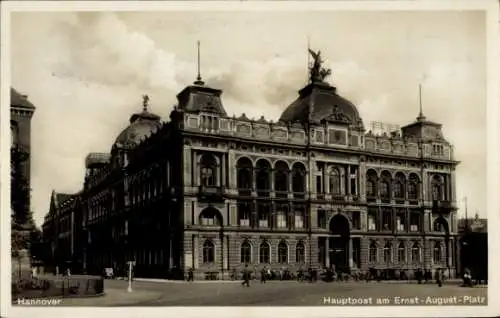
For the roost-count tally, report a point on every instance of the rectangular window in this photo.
(353, 186)
(337, 137)
(319, 136)
(387, 221)
(299, 221)
(414, 222)
(319, 184)
(400, 223)
(322, 219)
(281, 220)
(372, 223)
(356, 220)
(244, 213)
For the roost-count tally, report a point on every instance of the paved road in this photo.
(290, 293)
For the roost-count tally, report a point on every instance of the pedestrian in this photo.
(190, 275)
(439, 277)
(263, 273)
(246, 276)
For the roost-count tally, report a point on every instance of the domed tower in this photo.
(141, 125)
(319, 102)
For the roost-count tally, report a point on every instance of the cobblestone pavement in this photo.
(283, 294)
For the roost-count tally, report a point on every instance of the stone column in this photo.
(453, 197)
(350, 253)
(231, 169)
(327, 252)
(223, 171)
(195, 251)
(189, 172)
(225, 252)
(348, 183)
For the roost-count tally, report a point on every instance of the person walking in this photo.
(246, 276)
(190, 275)
(439, 277)
(263, 273)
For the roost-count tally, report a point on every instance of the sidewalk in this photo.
(113, 297)
(157, 280)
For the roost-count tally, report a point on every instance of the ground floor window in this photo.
(437, 252)
(208, 252)
(264, 253)
(246, 253)
(282, 253)
(373, 252)
(300, 253)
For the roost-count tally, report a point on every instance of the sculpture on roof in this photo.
(145, 102)
(316, 71)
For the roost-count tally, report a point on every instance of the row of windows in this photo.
(416, 253)
(264, 253)
(283, 218)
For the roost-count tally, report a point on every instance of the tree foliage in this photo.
(21, 217)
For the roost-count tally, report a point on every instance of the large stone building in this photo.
(212, 192)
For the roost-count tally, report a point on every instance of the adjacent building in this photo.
(21, 112)
(473, 234)
(211, 192)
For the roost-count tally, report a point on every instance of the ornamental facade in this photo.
(313, 189)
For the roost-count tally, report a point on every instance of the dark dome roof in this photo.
(19, 100)
(141, 124)
(318, 102)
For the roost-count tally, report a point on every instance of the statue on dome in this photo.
(145, 102)
(317, 72)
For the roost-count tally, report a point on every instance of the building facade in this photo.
(212, 192)
(21, 113)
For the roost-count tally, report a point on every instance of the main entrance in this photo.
(338, 242)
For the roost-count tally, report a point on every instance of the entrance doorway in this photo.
(338, 242)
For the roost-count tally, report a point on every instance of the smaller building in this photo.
(474, 246)
(58, 231)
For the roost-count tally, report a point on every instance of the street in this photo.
(276, 293)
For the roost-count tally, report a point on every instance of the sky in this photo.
(86, 73)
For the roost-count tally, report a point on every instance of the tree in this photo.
(21, 216)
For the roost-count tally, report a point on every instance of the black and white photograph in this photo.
(332, 157)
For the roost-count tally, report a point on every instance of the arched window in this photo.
(208, 252)
(246, 253)
(401, 253)
(282, 253)
(437, 188)
(263, 176)
(373, 252)
(437, 255)
(210, 216)
(244, 169)
(264, 253)
(388, 253)
(281, 177)
(413, 187)
(415, 253)
(335, 187)
(371, 183)
(300, 253)
(298, 178)
(385, 188)
(399, 185)
(208, 167)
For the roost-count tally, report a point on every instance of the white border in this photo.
(493, 117)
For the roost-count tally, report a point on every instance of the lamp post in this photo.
(130, 264)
